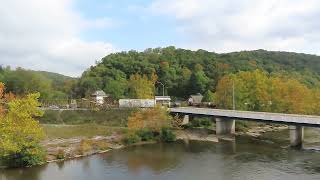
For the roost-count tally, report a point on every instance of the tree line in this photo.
(134, 74)
(185, 72)
(50, 85)
(260, 91)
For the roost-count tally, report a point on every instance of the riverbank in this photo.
(246, 158)
(256, 131)
(64, 142)
(59, 149)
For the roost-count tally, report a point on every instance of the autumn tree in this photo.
(20, 133)
(224, 93)
(258, 91)
(153, 119)
(141, 87)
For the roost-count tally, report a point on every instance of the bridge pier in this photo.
(296, 136)
(187, 119)
(225, 126)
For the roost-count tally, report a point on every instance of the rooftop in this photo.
(99, 93)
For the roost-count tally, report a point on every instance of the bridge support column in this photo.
(296, 136)
(225, 126)
(186, 119)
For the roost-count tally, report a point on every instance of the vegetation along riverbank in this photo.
(259, 80)
(63, 135)
(82, 138)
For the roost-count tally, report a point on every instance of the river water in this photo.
(246, 158)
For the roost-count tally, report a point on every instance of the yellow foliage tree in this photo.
(256, 91)
(153, 119)
(141, 87)
(20, 133)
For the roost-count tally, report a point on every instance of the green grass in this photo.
(85, 130)
(110, 117)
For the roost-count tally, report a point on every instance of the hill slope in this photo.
(51, 85)
(177, 68)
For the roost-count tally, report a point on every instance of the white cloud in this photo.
(45, 35)
(233, 25)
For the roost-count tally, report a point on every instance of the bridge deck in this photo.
(305, 120)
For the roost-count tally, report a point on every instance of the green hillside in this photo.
(184, 71)
(51, 85)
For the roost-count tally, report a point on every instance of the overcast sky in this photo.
(67, 36)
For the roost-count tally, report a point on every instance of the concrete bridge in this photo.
(225, 120)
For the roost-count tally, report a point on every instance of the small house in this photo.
(99, 96)
(163, 100)
(195, 100)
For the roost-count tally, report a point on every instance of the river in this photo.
(265, 158)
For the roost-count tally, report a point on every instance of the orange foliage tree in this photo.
(153, 119)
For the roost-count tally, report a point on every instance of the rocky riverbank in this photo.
(197, 135)
(63, 149)
(202, 134)
(257, 131)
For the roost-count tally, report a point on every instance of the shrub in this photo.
(196, 122)
(176, 121)
(167, 135)
(153, 119)
(60, 154)
(101, 145)
(145, 134)
(131, 139)
(205, 122)
(199, 122)
(242, 126)
(187, 126)
(26, 157)
(85, 146)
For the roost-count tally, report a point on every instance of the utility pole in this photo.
(233, 98)
(162, 87)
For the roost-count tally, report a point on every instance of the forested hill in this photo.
(282, 60)
(184, 71)
(51, 85)
(56, 78)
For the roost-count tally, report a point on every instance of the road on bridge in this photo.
(290, 119)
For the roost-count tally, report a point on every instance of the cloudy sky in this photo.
(67, 36)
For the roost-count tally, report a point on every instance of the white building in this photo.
(163, 100)
(98, 96)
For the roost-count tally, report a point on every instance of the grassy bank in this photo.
(110, 117)
(84, 130)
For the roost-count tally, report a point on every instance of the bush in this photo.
(151, 118)
(30, 156)
(196, 122)
(242, 126)
(200, 122)
(187, 126)
(205, 122)
(131, 139)
(101, 145)
(85, 146)
(167, 135)
(145, 134)
(60, 154)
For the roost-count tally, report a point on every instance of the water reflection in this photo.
(22, 173)
(155, 157)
